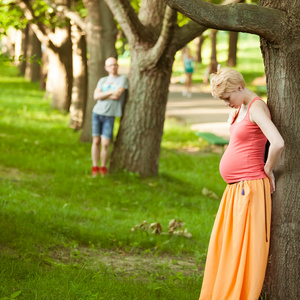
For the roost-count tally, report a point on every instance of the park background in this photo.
(66, 235)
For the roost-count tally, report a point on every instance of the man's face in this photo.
(111, 66)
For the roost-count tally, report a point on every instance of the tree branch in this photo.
(186, 33)
(128, 20)
(169, 23)
(68, 13)
(191, 30)
(255, 19)
(39, 29)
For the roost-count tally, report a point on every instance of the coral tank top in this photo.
(244, 156)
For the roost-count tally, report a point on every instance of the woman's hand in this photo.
(271, 177)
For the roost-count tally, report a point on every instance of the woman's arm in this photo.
(259, 114)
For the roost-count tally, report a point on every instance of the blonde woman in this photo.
(239, 244)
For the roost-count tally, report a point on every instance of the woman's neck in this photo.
(249, 96)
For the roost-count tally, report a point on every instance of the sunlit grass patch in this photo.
(60, 223)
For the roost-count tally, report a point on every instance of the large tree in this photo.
(278, 25)
(154, 38)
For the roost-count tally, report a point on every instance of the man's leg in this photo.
(95, 150)
(104, 151)
(106, 136)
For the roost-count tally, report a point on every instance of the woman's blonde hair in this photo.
(226, 80)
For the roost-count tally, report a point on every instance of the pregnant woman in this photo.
(239, 243)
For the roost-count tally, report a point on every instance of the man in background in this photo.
(110, 95)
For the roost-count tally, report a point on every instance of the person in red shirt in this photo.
(239, 244)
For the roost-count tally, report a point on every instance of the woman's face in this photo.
(233, 99)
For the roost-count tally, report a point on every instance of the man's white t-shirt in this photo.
(107, 107)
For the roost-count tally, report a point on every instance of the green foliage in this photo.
(136, 4)
(47, 15)
(63, 226)
(11, 16)
(80, 8)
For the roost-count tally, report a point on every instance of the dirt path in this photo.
(201, 111)
(126, 263)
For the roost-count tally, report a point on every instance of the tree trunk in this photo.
(79, 88)
(198, 51)
(282, 65)
(154, 39)
(59, 78)
(213, 57)
(34, 54)
(22, 52)
(101, 37)
(137, 147)
(44, 68)
(232, 49)
(58, 42)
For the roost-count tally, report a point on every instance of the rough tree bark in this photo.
(278, 25)
(137, 146)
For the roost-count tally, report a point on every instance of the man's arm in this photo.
(111, 95)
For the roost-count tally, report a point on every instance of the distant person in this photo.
(110, 95)
(188, 63)
(239, 243)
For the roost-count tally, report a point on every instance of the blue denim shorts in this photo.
(102, 126)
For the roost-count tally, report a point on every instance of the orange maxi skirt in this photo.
(239, 243)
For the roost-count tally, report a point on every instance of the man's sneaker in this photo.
(95, 171)
(103, 171)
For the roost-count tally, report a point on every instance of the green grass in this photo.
(65, 235)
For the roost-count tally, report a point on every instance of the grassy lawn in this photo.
(66, 235)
